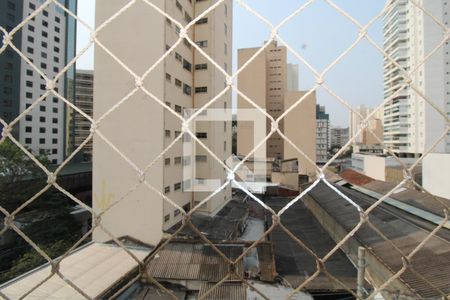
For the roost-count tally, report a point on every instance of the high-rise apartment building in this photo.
(411, 125)
(265, 81)
(84, 96)
(48, 40)
(338, 136)
(322, 134)
(142, 128)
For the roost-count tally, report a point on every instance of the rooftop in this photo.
(404, 233)
(296, 264)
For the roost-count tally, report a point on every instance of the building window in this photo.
(28, 141)
(178, 82)
(30, 39)
(177, 186)
(178, 109)
(187, 17)
(168, 77)
(167, 133)
(201, 89)
(178, 5)
(187, 44)
(202, 44)
(178, 57)
(167, 161)
(28, 129)
(54, 151)
(167, 190)
(176, 212)
(225, 49)
(201, 66)
(42, 108)
(31, 28)
(187, 65)
(202, 21)
(202, 135)
(177, 133)
(41, 141)
(45, 23)
(167, 218)
(55, 121)
(200, 158)
(28, 118)
(55, 130)
(57, 19)
(225, 29)
(44, 34)
(187, 89)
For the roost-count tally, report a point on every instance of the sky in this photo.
(319, 34)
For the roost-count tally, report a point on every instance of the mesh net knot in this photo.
(7, 38)
(51, 178)
(50, 85)
(6, 131)
(138, 82)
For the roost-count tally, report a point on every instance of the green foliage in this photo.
(15, 165)
(32, 259)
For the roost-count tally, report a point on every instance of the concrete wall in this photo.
(435, 168)
(289, 180)
(300, 128)
(139, 137)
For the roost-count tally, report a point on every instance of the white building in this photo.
(48, 40)
(411, 125)
(435, 168)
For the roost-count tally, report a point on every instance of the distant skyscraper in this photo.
(355, 122)
(338, 136)
(48, 40)
(84, 93)
(323, 134)
(292, 77)
(411, 125)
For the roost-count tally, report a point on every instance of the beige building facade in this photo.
(141, 128)
(265, 82)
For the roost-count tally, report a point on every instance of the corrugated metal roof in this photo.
(194, 261)
(432, 261)
(293, 262)
(94, 269)
(415, 198)
(226, 291)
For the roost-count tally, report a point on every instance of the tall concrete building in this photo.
(265, 81)
(338, 136)
(411, 125)
(355, 121)
(48, 40)
(142, 128)
(84, 96)
(323, 134)
(292, 77)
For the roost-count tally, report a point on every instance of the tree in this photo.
(15, 165)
